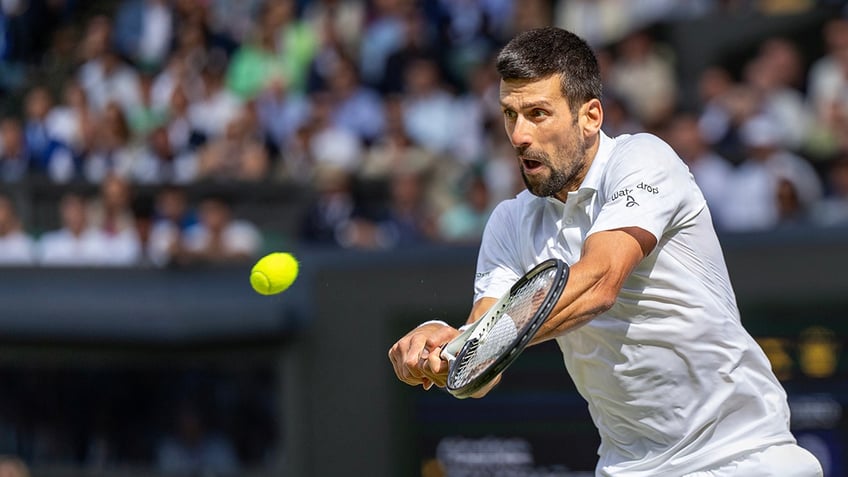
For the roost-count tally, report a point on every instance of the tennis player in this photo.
(648, 323)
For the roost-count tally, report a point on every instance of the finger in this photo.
(437, 367)
(394, 358)
(412, 356)
(397, 356)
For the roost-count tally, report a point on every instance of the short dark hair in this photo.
(542, 52)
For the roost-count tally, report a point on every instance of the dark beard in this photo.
(559, 178)
(549, 187)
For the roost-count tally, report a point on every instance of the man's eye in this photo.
(509, 114)
(538, 113)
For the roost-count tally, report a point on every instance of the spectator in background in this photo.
(723, 117)
(144, 219)
(382, 35)
(711, 171)
(111, 214)
(472, 29)
(218, 236)
(37, 105)
(714, 85)
(355, 107)
(337, 22)
(76, 243)
(172, 206)
(827, 93)
(408, 219)
(172, 216)
(833, 209)
(429, 109)
(296, 41)
(105, 77)
(110, 210)
(600, 22)
(643, 76)
(144, 30)
(184, 66)
(61, 58)
(211, 113)
(183, 136)
(259, 61)
(230, 22)
(753, 191)
(112, 152)
(147, 114)
(394, 149)
(16, 246)
(14, 156)
(159, 162)
(72, 127)
(418, 41)
(403, 218)
(774, 74)
(11, 466)
(326, 143)
(617, 117)
(827, 79)
(480, 108)
(238, 155)
(332, 207)
(465, 220)
(282, 112)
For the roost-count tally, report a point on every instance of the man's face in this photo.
(545, 134)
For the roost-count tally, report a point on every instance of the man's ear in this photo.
(591, 117)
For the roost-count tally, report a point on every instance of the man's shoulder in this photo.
(638, 141)
(640, 151)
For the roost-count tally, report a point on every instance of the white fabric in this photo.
(239, 236)
(91, 248)
(754, 184)
(777, 461)
(432, 322)
(673, 381)
(17, 248)
(156, 32)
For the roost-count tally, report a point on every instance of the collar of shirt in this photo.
(592, 181)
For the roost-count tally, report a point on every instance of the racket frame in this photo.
(457, 347)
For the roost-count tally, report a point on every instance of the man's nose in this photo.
(521, 133)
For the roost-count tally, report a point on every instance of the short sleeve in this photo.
(647, 185)
(498, 259)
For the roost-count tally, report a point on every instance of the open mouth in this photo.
(531, 164)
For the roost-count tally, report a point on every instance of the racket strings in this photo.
(512, 319)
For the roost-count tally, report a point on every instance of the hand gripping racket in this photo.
(494, 341)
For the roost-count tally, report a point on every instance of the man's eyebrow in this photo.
(536, 104)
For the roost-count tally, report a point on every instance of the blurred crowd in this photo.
(385, 110)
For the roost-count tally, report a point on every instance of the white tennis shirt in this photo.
(674, 382)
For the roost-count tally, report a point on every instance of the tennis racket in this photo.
(494, 341)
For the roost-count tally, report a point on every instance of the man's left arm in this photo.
(595, 280)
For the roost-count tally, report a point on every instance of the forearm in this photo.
(588, 294)
(595, 280)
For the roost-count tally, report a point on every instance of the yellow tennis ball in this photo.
(274, 273)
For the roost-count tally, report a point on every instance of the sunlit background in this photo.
(152, 150)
